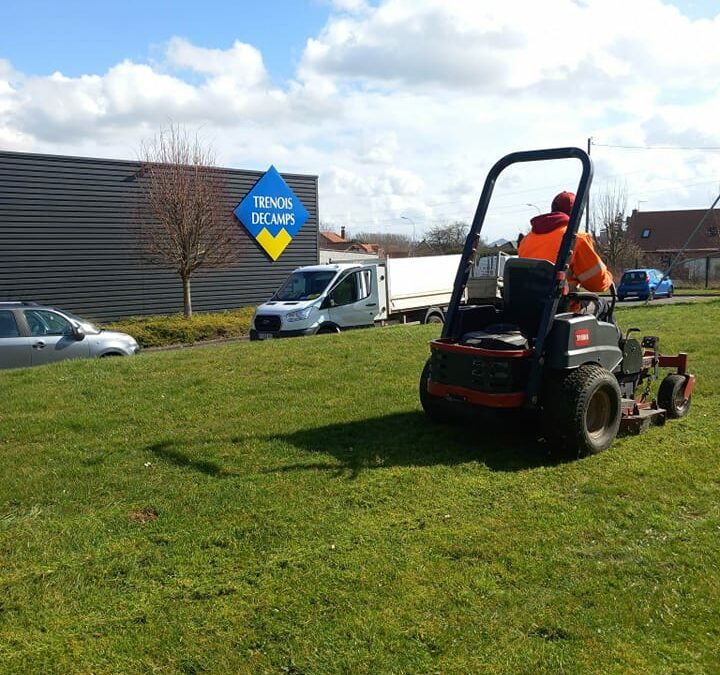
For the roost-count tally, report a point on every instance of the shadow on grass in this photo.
(167, 452)
(501, 442)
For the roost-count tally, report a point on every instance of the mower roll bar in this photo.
(561, 264)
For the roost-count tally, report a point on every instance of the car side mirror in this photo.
(78, 333)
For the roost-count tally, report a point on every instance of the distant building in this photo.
(504, 245)
(663, 235)
(331, 241)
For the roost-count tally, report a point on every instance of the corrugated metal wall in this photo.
(68, 237)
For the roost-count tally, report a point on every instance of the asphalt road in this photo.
(634, 302)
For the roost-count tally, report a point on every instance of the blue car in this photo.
(641, 283)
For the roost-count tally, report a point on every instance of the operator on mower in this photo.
(586, 267)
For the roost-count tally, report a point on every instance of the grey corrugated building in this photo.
(69, 238)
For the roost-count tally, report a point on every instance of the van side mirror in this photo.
(78, 333)
(327, 302)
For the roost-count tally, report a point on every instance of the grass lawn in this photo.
(284, 507)
(697, 291)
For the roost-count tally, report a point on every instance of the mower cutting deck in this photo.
(587, 380)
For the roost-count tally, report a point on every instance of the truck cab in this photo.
(321, 299)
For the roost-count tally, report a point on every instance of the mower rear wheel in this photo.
(436, 408)
(671, 396)
(585, 409)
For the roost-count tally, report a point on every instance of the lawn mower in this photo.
(584, 378)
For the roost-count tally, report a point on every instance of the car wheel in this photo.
(671, 396)
(670, 292)
(621, 298)
(584, 409)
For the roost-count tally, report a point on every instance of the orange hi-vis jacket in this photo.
(543, 242)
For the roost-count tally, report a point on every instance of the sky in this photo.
(400, 107)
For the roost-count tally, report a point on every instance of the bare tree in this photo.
(609, 228)
(449, 238)
(185, 221)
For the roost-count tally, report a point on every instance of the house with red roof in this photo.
(688, 240)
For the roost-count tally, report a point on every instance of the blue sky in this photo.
(79, 37)
(399, 106)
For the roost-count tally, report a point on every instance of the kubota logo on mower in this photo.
(582, 337)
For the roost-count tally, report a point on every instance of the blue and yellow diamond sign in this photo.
(272, 213)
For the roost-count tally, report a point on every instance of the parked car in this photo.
(33, 334)
(643, 283)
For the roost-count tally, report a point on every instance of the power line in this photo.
(709, 148)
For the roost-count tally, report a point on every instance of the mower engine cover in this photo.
(576, 339)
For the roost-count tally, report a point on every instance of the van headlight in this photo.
(299, 315)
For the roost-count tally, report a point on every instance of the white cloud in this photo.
(351, 6)
(242, 63)
(402, 107)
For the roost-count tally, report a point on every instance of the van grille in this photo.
(267, 322)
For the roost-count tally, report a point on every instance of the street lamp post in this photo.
(535, 207)
(412, 245)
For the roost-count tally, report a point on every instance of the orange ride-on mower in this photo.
(582, 376)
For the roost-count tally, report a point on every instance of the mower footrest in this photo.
(637, 422)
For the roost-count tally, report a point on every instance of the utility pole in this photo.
(412, 245)
(587, 204)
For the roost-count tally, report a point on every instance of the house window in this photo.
(645, 233)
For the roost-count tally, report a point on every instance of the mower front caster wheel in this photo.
(585, 409)
(671, 396)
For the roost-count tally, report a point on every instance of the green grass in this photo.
(284, 507)
(697, 291)
(159, 331)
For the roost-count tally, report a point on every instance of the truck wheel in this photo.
(436, 408)
(434, 318)
(585, 409)
(671, 396)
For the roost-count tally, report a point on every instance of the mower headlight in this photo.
(299, 315)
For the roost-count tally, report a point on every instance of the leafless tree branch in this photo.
(609, 228)
(185, 222)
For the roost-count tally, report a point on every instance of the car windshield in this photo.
(633, 277)
(86, 325)
(305, 285)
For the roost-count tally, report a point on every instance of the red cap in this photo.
(563, 202)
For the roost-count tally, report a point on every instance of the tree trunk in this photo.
(187, 299)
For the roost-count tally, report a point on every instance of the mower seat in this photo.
(497, 337)
(527, 285)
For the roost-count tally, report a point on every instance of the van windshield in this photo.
(305, 285)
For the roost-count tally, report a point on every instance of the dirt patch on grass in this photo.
(145, 515)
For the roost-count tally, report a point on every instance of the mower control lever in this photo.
(582, 295)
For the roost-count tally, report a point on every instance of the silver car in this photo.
(32, 334)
